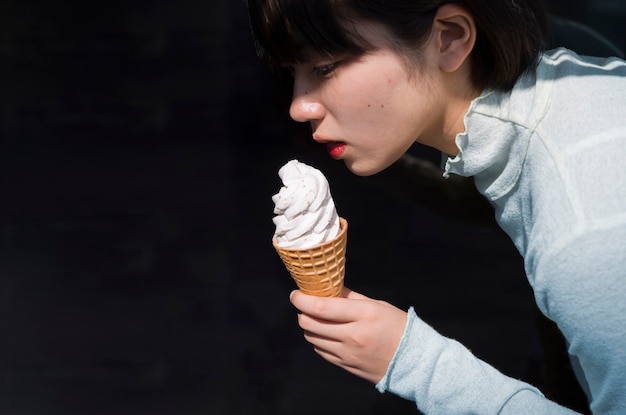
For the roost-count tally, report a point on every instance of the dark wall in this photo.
(139, 146)
(606, 17)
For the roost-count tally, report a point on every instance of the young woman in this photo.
(543, 135)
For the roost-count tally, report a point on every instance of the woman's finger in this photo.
(330, 309)
(332, 352)
(329, 330)
(331, 346)
(352, 295)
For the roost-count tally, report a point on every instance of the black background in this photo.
(140, 143)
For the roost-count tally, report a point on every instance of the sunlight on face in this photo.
(369, 109)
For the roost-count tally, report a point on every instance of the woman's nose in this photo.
(304, 106)
(303, 110)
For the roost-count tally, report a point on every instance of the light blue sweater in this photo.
(551, 157)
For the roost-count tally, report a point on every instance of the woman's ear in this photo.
(454, 32)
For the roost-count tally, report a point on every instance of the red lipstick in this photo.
(335, 149)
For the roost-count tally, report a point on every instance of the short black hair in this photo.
(510, 33)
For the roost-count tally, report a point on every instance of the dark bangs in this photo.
(292, 31)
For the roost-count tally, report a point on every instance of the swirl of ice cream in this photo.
(305, 211)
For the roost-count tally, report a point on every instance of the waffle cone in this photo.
(318, 270)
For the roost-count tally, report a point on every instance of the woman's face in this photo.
(369, 109)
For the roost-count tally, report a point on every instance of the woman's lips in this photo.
(335, 149)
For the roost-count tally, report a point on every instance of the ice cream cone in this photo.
(318, 270)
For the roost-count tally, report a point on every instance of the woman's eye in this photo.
(325, 70)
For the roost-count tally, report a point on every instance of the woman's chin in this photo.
(364, 169)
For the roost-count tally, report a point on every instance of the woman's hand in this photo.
(354, 332)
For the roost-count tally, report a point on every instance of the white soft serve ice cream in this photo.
(305, 212)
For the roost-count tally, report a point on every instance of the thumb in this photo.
(353, 295)
(337, 309)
